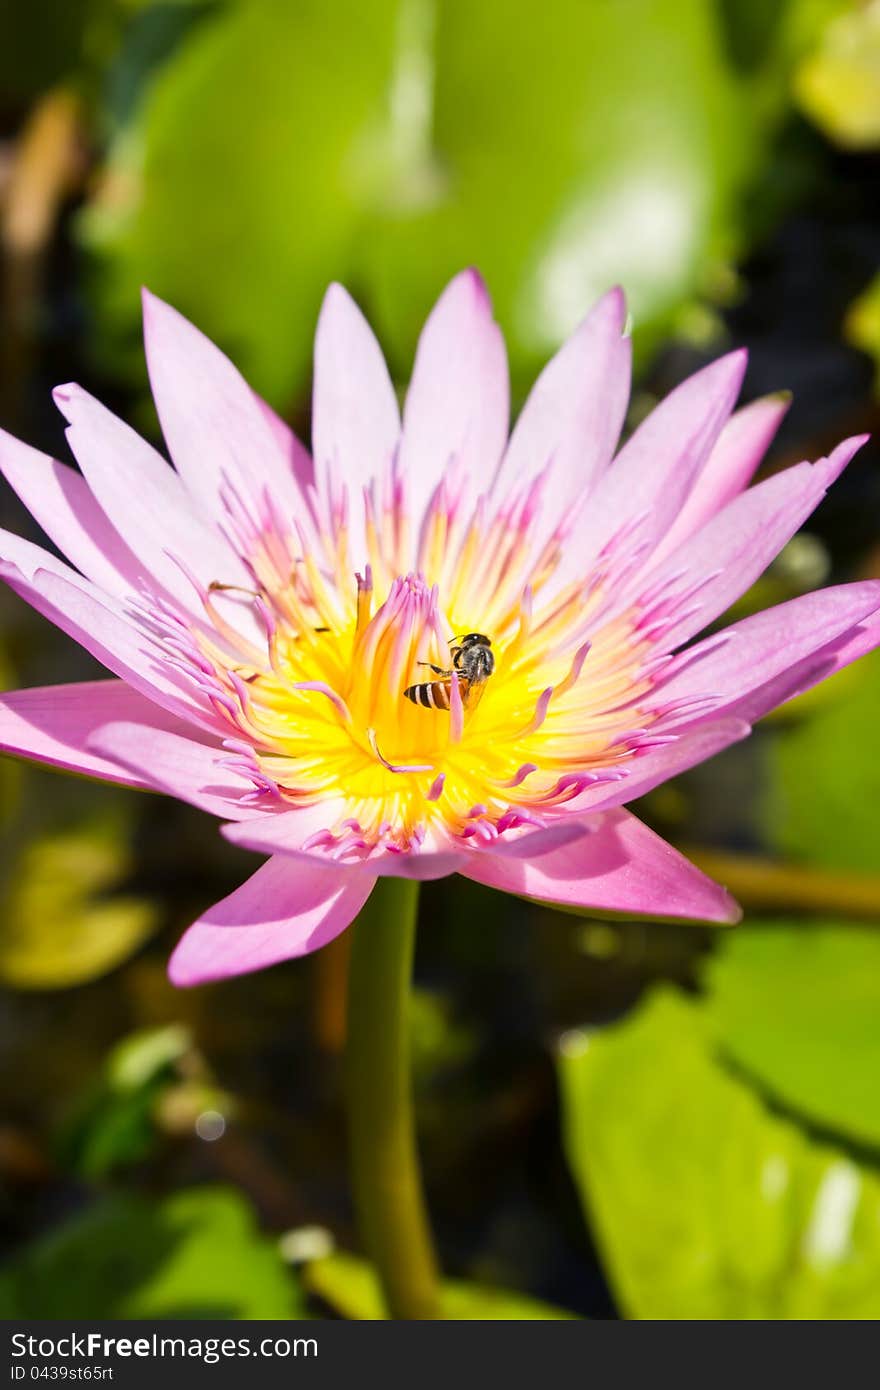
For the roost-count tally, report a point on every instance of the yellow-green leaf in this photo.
(706, 1204)
(350, 1286)
(60, 922)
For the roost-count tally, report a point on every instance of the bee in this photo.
(472, 661)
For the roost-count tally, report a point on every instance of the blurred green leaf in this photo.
(862, 324)
(350, 1286)
(243, 222)
(140, 1058)
(544, 146)
(197, 1254)
(60, 923)
(798, 1006)
(561, 156)
(113, 1123)
(838, 83)
(822, 795)
(438, 1040)
(706, 1205)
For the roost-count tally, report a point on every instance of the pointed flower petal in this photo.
(355, 419)
(54, 724)
(770, 656)
(738, 544)
(575, 412)
(60, 500)
(458, 402)
(98, 623)
(280, 912)
(119, 466)
(623, 868)
(728, 470)
(655, 470)
(216, 428)
(175, 763)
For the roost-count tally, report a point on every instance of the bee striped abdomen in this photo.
(431, 694)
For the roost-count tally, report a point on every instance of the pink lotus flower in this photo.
(266, 613)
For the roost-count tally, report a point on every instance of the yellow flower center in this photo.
(320, 713)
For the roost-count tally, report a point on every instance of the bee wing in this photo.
(471, 691)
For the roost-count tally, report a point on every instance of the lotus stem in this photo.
(388, 1197)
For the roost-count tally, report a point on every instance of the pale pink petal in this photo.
(60, 500)
(534, 844)
(623, 868)
(282, 911)
(290, 448)
(736, 546)
(753, 665)
(457, 407)
(421, 865)
(99, 624)
(148, 504)
(54, 724)
(215, 427)
(647, 484)
(287, 832)
(177, 764)
(648, 769)
(574, 414)
(729, 469)
(355, 419)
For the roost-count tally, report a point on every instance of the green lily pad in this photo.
(561, 157)
(390, 143)
(706, 1205)
(822, 794)
(798, 1007)
(197, 1254)
(350, 1286)
(243, 223)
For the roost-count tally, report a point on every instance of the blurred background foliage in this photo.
(629, 1120)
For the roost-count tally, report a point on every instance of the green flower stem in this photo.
(388, 1196)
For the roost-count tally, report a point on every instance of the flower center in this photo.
(443, 702)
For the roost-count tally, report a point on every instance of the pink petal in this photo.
(286, 833)
(771, 656)
(737, 545)
(216, 428)
(622, 868)
(298, 457)
(281, 912)
(355, 419)
(649, 769)
(120, 468)
(176, 764)
(534, 844)
(728, 471)
(98, 623)
(575, 412)
(652, 475)
(458, 403)
(54, 724)
(60, 500)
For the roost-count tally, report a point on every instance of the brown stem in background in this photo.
(765, 885)
(47, 164)
(331, 995)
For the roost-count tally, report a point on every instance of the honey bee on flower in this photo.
(277, 622)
